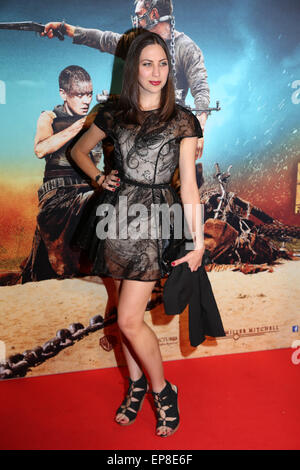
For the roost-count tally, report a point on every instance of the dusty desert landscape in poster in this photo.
(258, 311)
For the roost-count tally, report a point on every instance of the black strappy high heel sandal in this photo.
(166, 403)
(134, 399)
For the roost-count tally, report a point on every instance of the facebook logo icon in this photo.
(295, 329)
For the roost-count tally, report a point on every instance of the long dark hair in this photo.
(129, 98)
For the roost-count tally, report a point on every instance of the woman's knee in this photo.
(132, 304)
(129, 323)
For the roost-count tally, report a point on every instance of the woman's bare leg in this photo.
(139, 342)
(134, 367)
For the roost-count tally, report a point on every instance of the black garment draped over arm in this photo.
(186, 287)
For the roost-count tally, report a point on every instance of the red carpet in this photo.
(239, 401)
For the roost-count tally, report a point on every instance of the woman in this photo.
(150, 135)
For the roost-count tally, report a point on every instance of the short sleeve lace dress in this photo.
(120, 244)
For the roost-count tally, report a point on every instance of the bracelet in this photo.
(63, 28)
(99, 176)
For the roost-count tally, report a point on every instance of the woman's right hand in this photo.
(111, 181)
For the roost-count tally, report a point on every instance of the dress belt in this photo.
(145, 185)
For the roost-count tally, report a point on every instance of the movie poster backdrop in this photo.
(238, 61)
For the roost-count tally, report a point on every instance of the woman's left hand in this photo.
(193, 258)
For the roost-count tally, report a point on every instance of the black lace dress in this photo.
(146, 157)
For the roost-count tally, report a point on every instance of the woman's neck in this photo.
(148, 104)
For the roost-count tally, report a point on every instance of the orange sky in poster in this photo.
(273, 191)
(18, 210)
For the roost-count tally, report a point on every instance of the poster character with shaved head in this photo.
(65, 189)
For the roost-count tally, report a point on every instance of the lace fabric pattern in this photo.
(147, 154)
